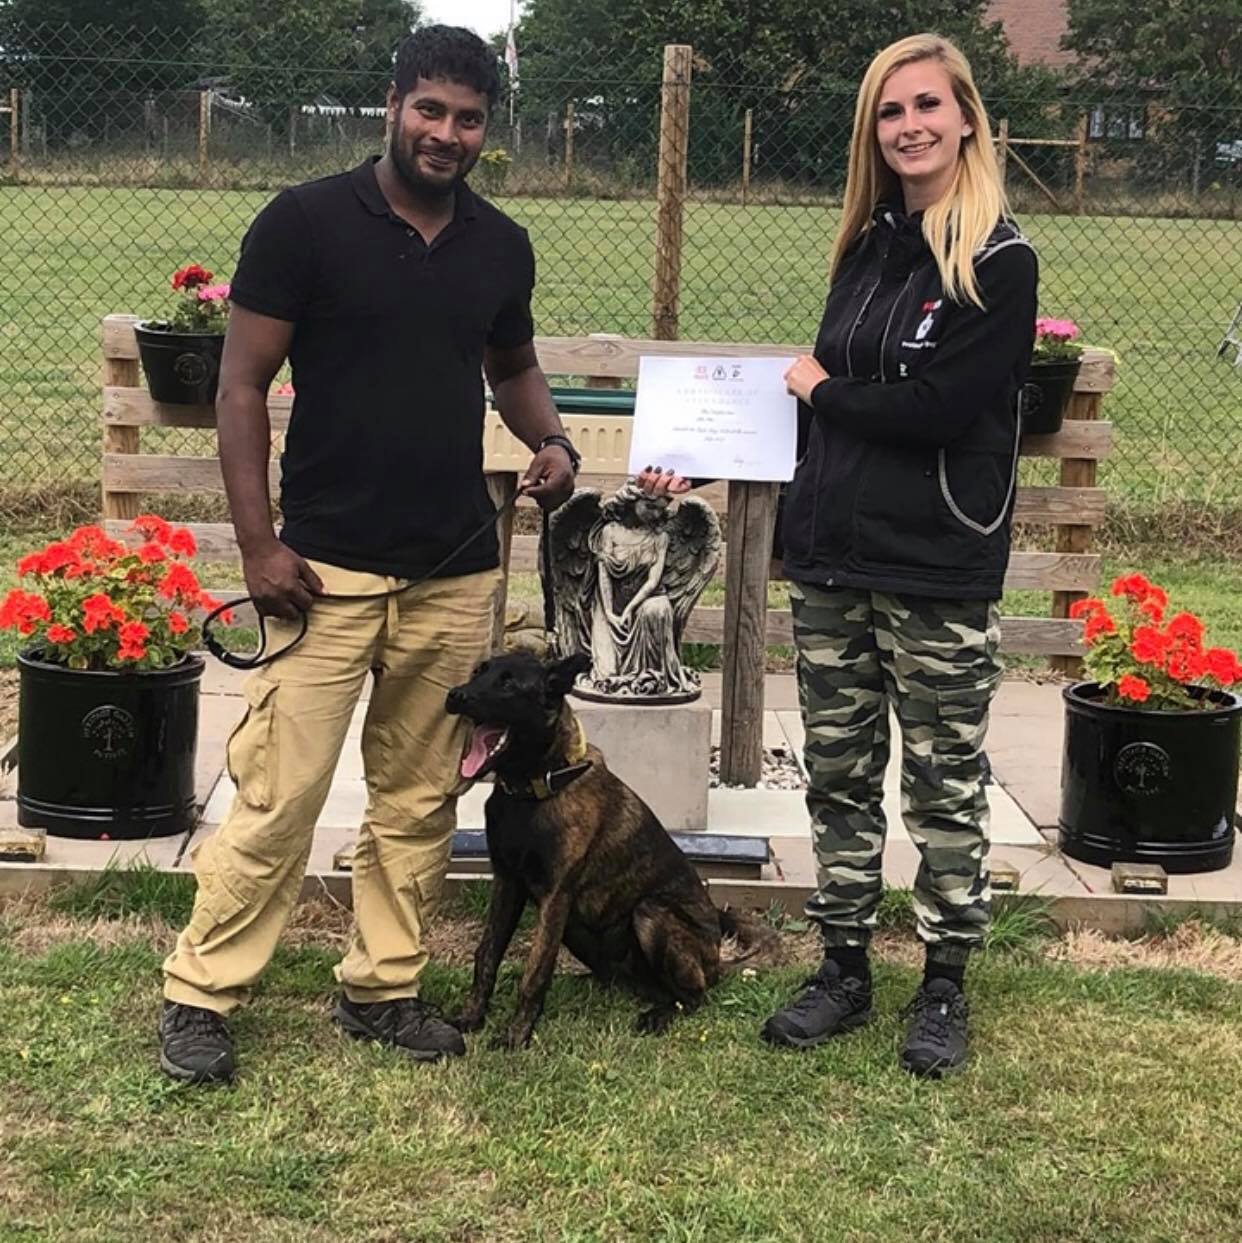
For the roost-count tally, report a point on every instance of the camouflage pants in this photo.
(935, 662)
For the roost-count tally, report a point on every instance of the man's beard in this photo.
(419, 185)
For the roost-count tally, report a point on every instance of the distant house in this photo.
(1034, 29)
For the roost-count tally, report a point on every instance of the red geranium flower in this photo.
(21, 611)
(1185, 626)
(182, 541)
(1098, 624)
(177, 623)
(1135, 688)
(1223, 665)
(153, 527)
(1087, 607)
(57, 633)
(179, 581)
(1149, 645)
(100, 613)
(191, 276)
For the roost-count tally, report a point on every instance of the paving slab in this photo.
(1024, 747)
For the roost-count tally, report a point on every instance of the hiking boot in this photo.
(194, 1045)
(827, 1006)
(408, 1025)
(936, 1042)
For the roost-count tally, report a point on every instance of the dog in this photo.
(568, 835)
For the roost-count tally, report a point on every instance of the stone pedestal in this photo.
(661, 751)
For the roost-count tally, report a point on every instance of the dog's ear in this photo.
(561, 674)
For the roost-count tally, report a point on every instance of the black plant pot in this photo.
(107, 754)
(181, 367)
(1149, 787)
(1046, 395)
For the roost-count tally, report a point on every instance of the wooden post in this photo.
(605, 381)
(671, 189)
(293, 132)
(747, 134)
(752, 520)
(1002, 150)
(569, 144)
(501, 487)
(1080, 166)
(120, 372)
(204, 130)
(15, 102)
(1075, 473)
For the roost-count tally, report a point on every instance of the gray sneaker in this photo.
(195, 1046)
(408, 1025)
(827, 1006)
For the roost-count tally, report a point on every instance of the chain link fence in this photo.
(123, 157)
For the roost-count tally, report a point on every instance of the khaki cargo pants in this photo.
(282, 757)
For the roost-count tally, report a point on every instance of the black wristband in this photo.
(575, 458)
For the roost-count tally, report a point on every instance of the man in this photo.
(390, 289)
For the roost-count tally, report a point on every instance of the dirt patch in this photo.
(32, 929)
(1192, 946)
(8, 704)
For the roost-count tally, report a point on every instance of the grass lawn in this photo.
(1101, 1105)
(1159, 292)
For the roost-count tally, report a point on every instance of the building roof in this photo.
(1034, 29)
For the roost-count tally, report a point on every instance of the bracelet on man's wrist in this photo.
(563, 442)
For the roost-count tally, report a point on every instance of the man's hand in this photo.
(803, 376)
(657, 482)
(280, 582)
(549, 478)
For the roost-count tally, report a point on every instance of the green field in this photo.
(1101, 1106)
(1159, 292)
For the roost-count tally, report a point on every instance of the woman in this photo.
(896, 533)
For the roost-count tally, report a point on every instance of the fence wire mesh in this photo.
(125, 155)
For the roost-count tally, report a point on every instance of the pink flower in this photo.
(212, 293)
(1057, 329)
(283, 390)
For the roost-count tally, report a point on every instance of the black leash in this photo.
(259, 659)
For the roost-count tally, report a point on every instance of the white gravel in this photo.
(780, 770)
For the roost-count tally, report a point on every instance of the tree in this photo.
(796, 66)
(87, 63)
(277, 56)
(1176, 70)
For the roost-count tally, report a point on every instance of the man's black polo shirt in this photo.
(383, 461)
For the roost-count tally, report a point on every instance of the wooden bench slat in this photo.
(1033, 571)
(603, 440)
(160, 472)
(618, 357)
(1031, 636)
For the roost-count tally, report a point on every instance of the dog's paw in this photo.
(655, 1021)
(512, 1040)
(468, 1020)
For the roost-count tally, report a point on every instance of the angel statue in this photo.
(625, 575)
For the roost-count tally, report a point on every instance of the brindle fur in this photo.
(605, 877)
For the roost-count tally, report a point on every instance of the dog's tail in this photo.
(745, 938)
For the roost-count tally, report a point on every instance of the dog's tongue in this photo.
(484, 740)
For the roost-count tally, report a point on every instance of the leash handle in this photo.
(233, 659)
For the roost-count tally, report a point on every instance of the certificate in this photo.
(719, 418)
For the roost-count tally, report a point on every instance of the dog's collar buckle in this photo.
(550, 783)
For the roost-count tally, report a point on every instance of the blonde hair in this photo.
(959, 223)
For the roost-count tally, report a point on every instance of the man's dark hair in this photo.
(449, 52)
